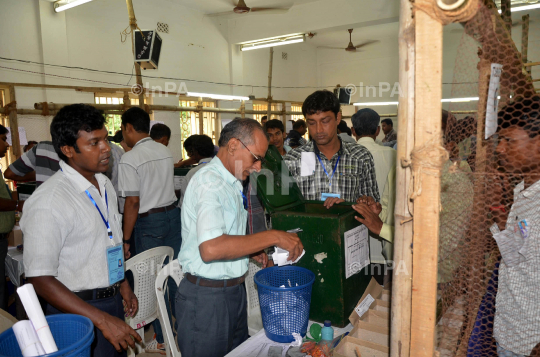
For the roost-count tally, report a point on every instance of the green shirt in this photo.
(213, 206)
(7, 218)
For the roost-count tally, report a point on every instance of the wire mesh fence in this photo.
(489, 249)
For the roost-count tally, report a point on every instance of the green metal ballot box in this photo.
(323, 235)
(25, 190)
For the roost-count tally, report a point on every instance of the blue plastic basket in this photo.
(73, 335)
(284, 310)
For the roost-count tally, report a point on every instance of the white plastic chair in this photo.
(145, 267)
(174, 271)
(253, 308)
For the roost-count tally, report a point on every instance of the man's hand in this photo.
(371, 220)
(130, 300)
(330, 201)
(371, 203)
(291, 243)
(117, 332)
(261, 258)
(127, 253)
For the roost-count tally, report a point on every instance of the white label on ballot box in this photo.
(178, 181)
(356, 250)
(364, 305)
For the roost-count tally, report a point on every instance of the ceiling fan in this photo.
(351, 47)
(241, 8)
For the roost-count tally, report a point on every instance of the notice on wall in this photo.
(356, 250)
(493, 99)
(22, 136)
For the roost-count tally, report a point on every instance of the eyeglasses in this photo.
(257, 158)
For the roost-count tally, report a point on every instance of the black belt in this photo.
(158, 210)
(211, 283)
(96, 294)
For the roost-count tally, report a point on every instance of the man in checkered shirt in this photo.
(332, 170)
(517, 310)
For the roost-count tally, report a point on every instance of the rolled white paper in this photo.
(33, 309)
(28, 339)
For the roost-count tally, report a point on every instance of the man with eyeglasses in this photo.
(211, 308)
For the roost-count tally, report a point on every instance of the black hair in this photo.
(241, 129)
(300, 123)
(203, 145)
(344, 128)
(388, 121)
(365, 122)
(274, 124)
(3, 130)
(264, 117)
(117, 138)
(69, 121)
(188, 143)
(321, 101)
(138, 118)
(31, 142)
(524, 114)
(159, 131)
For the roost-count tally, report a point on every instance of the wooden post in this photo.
(201, 116)
(428, 108)
(525, 39)
(506, 15)
(14, 125)
(133, 25)
(400, 325)
(284, 114)
(243, 109)
(270, 84)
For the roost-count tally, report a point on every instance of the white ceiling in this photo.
(212, 6)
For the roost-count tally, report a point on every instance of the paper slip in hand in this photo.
(364, 305)
(307, 164)
(281, 256)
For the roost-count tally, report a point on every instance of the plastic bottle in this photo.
(327, 334)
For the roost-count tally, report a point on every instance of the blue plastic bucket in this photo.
(73, 335)
(284, 298)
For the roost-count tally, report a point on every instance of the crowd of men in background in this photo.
(98, 201)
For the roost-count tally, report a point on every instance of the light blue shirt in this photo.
(213, 206)
(287, 148)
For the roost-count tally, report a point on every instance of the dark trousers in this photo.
(101, 347)
(3, 284)
(162, 229)
(211, 321)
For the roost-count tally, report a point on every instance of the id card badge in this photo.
(326, 195)
(115, 263)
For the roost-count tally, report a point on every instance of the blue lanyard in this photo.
(109, 232)
(244, 199)
(324, 168)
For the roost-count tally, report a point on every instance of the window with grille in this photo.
(298, 108)
(264, 107)
(114, 121)
(189, 122)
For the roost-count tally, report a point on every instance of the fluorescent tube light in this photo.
(523, 8)
(272, 42)
(373, 104)
(449, 100)
(216, 96)
(59, 8)
(459, 100)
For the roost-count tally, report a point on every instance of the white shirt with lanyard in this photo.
(114, 252)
